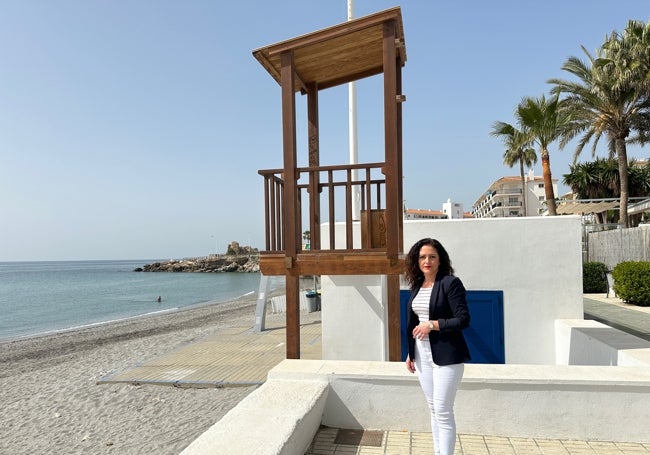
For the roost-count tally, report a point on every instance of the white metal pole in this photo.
(352, 110)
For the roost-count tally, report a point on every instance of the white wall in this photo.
(595, 403)
(354, 321)
(535, 261)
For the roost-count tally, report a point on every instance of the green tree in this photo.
(518, 150)
(610, 97)
(544, 121)
(600, 179)
(593, 180)
(586, 180)
(639, 179)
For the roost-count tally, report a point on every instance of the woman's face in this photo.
(429, 261)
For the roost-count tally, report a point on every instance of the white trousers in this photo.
(439, 384)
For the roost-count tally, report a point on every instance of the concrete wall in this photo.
(528, 401)
(355, 317)
(535, 261)
(586, 342)
(280, 418)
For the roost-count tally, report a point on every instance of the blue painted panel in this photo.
(485, 332)
(484, 335)
(403, 300)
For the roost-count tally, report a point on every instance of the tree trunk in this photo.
(523, 185)
(621, 151)
(548, 182)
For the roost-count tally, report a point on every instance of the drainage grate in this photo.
(359, 437)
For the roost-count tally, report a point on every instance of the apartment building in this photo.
(424, 214)
(504, 198)
(450, 210)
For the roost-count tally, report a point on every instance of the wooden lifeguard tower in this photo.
(360, 48)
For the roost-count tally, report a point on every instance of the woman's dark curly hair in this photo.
(414, 276)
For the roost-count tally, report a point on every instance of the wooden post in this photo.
(314, 161)
(290, 220)
(391, 145)
(394, 319)
(293, 316)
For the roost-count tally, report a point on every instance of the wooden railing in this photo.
(331, 202)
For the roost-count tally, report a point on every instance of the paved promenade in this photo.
(209, 363)
(632, 319)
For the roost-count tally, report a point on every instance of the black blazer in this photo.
(449, 306)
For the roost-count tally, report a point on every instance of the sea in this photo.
(39, 298)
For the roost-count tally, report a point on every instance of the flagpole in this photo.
(352, 111)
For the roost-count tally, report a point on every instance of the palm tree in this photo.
(600, 179)
(544, 122)
(518, 150)
(593, 180)
(639, 179)
(583, 181)
(610, 98)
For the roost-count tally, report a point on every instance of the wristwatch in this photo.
(430, 325)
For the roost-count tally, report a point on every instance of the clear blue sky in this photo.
(135, 129)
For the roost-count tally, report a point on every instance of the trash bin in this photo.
(313, 301)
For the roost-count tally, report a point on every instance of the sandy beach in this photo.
(51, 403)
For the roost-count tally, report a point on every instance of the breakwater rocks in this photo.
(214, 264)
(238, 258)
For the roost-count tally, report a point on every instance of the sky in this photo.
(135, 129)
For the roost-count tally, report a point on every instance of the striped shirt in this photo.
(420, 304)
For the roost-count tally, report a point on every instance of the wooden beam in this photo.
(290, 216)
(293, 316)
(313, 135)
(394, 319)
(399, 159)
(318, 263)
(345, 28)
(393, 181)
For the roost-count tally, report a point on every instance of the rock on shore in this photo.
(237, 259)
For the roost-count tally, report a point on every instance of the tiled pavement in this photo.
(404, 443)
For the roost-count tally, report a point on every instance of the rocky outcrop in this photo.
(237, 259)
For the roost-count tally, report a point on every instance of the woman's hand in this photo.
(410, 365)
(423, 329)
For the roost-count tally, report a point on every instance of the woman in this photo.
(437, 314)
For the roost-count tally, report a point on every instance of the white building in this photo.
(450, 210)
(424, 214)
(504, 198)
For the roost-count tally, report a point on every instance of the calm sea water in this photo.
(41, 297)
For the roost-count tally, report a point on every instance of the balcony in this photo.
(325, 197)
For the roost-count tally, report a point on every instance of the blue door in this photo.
(484, 335)
(403, 301)
(485, 332)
